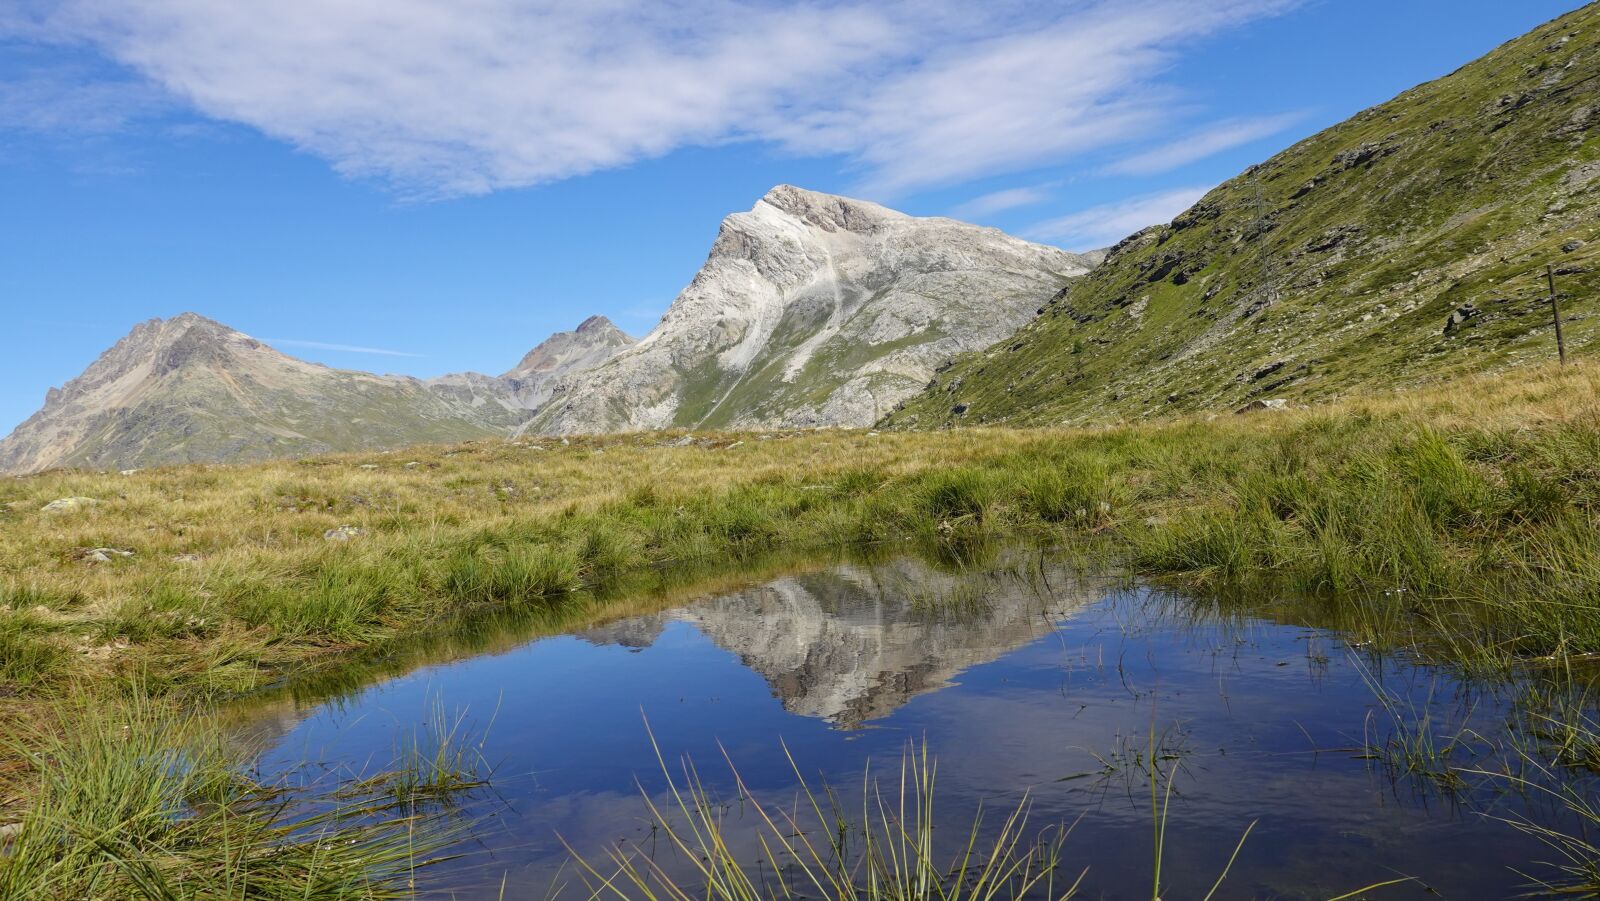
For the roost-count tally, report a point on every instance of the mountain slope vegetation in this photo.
(1408, 244)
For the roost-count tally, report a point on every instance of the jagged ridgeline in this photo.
(1405, 245)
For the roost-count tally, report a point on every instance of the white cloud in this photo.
(1203, 143)
(1105, 225)
(1000, 201)
(443, 97)
(343, 348)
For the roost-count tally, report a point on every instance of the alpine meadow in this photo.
(1256, 554)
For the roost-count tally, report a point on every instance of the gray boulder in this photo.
(63, 504)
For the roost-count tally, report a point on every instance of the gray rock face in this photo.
(188, 389)
(814, 310)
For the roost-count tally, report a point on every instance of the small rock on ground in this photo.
(68, 503)
(102, 554)
(1255, 406)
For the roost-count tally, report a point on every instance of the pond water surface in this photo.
(1020, 677)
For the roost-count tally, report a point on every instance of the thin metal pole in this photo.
(1555, 310)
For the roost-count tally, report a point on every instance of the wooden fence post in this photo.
(1555, 310)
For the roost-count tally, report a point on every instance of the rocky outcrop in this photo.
(814, 310)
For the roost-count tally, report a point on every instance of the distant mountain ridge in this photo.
(188, 389)
(527, 386)
(1407, 244)
(811, 310)
(814, 310)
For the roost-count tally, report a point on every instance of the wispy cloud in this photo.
(1000, 201)
(1104, 225)
(64, 102)
(642, 316)
(342, 348)
(448, 97)
(1203, 143)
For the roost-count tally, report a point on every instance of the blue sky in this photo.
(443, 183)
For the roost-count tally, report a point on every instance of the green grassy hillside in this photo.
(1406, 245)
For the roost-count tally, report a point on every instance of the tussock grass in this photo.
(887, 846)
(438, 762)
(28, 657)
(136, 800)
(1546, 754)
(821, 848)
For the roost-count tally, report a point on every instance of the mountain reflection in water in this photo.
(1022, 676)
(852, 643)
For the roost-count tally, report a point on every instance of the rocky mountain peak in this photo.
(190, 338)
(189, 319)
(597, 324)
(158, 346)
(594, 341)
(815, 310)
(828, 212)
(158, 332)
